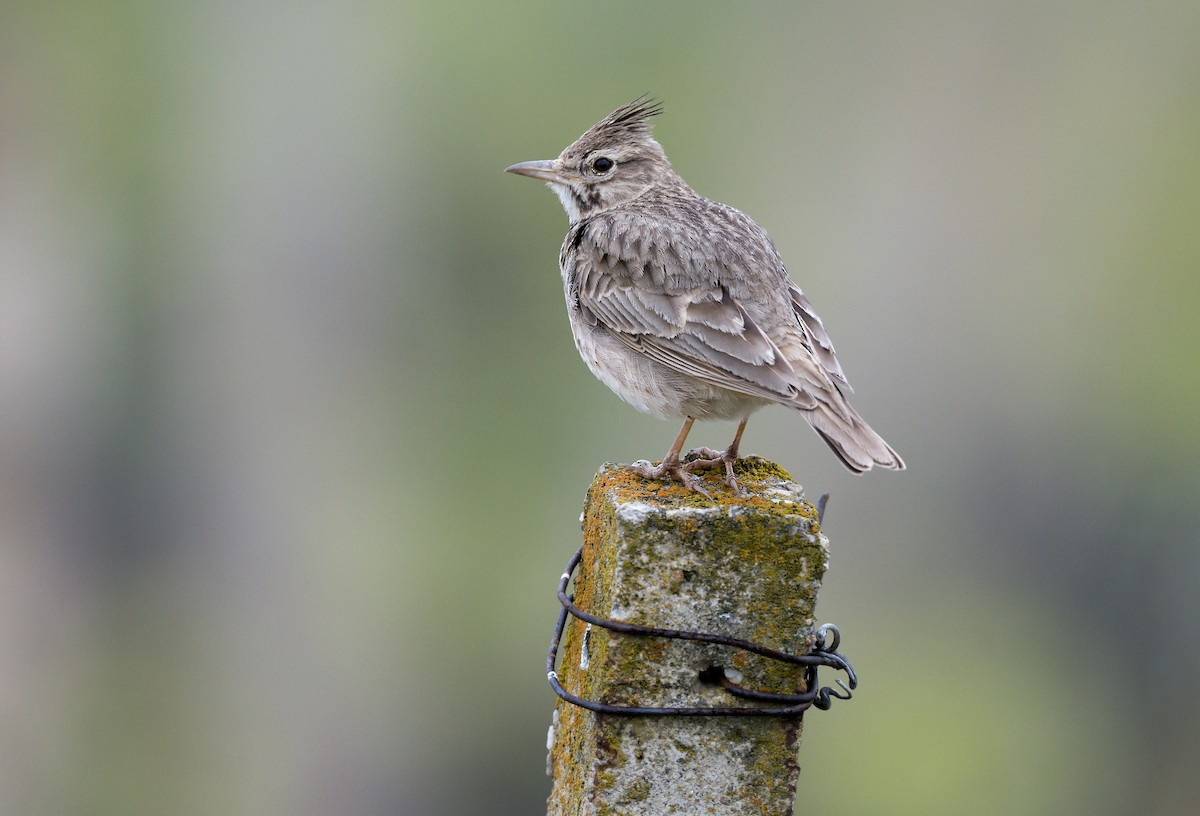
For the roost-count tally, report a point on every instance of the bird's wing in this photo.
(676, 310)
(818, 339)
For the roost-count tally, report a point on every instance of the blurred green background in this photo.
(293, 437)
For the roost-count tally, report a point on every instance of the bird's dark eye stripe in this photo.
(603, 164)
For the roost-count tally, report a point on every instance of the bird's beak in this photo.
(545, 170)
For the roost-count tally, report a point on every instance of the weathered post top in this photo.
(658, 555)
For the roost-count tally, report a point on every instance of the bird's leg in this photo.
(711, 458)
(670, 466)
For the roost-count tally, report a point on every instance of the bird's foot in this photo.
(706, 458)
(670, 470)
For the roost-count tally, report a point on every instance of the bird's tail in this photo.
(851, 438)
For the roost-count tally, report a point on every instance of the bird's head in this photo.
(612, 163)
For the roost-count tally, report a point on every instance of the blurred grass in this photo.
(293, 438)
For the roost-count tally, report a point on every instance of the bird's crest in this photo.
(626, 122)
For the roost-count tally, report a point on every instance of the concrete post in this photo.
(657, 555)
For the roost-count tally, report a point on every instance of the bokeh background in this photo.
(293, 438)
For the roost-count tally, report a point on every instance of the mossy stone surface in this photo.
(659, 555)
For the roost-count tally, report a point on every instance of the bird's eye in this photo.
(602, 164)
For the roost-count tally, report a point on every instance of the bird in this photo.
(682, 305)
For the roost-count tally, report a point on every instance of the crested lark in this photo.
(682, 306)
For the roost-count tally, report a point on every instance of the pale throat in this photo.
(567, 196)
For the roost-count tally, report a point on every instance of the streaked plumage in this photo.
(682, 305)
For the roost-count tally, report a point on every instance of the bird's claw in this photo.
(670, 471)
(706, 458)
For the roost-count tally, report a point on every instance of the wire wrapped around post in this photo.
(824, 653)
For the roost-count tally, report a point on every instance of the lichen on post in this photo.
(655, 554)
